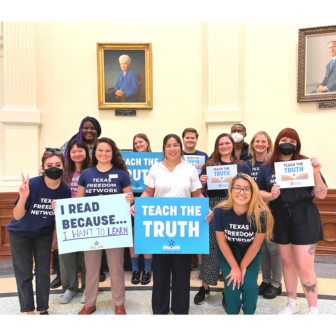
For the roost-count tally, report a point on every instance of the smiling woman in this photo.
(89, 131)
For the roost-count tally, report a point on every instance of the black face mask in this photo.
(54, 173)
(286, 148)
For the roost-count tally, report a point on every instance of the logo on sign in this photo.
(171, 246)
(96, 245)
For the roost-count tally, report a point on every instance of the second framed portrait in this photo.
(124, 76)
(317, 64)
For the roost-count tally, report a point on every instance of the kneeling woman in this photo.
(242, 222)
(31, 231)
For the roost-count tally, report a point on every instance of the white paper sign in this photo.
(93, 223)
(219, 177)
(294, 174)
(195, 160)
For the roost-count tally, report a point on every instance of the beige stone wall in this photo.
(264, 79)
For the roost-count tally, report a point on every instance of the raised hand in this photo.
(24, 188)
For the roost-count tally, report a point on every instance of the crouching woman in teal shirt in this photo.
(242, 222)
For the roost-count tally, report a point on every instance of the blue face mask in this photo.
(54, 173)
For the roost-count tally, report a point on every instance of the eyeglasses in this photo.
(174, 146)
(50, 151)
(238, 190)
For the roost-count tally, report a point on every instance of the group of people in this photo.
(283, 226)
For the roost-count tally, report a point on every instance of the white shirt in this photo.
(179, 183)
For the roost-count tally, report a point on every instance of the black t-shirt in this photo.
(266, 179)
(237, 229)
(254, 170)
(223, 192)
(39, 217)
(244, 155)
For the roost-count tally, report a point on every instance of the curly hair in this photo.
(117, 159)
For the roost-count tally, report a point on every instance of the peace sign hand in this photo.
(24, 188)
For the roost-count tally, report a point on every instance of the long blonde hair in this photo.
(269, 149)
(255, 207)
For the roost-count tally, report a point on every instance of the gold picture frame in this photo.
(312, 62)
(110, 73)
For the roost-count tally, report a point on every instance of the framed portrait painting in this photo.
(125, 76)
(317, 64)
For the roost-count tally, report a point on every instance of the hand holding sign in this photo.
(316, 165)
(275, 192)
(204, 179)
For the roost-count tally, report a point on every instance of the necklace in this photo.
(169, 168)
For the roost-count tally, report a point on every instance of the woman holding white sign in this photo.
(242, 222)
(109, 166)
(297, 227)
(140, 144)
(224, 154)
(31, 231)
(261, 149)
(172, 178)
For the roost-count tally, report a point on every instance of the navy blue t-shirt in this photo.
(254, 170)
(266, 179)
(237, 229)
(110, 182)
(223, 192)
(39, 217)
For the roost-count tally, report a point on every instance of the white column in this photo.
(20, 114)
(224, 73)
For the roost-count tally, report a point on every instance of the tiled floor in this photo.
(138, 297)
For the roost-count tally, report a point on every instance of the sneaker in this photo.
(67, 296)
(202, 295)
(290, 308)
(263, 287)
(82, 300)
(56, 282)
(221, 277)
(272, 292)
(198, 272)
(312, 311)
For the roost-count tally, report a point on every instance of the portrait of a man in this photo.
(329, 82)
(320, 72)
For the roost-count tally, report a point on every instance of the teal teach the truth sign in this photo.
(171, 225)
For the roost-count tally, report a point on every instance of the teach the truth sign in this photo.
(294, 174)
(138, 165)
(171, 225)
(93, 223)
